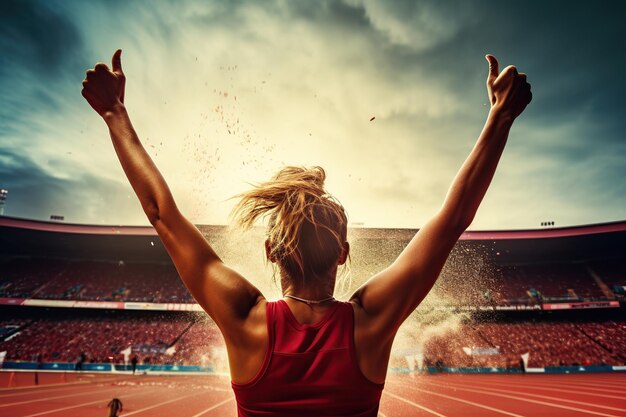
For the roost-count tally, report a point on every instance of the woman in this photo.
(307, 354)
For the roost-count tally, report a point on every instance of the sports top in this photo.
(309, 369)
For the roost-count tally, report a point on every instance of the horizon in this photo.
(258, 227)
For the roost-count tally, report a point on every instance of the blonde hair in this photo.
(307, 226)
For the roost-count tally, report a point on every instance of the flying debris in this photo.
(372, 118)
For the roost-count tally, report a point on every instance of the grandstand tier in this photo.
(63, 335)
(542, 276)
(52, 261)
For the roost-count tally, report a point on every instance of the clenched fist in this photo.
(508, 90)
(103, 88)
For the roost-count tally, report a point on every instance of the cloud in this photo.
(29, 43)
(418, 26)
(225, 93)
(83, 198)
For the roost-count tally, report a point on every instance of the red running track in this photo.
(87, 395)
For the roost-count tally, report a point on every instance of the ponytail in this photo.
(307, 226)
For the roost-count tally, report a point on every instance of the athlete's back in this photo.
(309, 369)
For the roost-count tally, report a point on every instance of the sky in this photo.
(224, 94)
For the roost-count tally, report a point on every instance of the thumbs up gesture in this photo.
(508, 91)
(103, 88)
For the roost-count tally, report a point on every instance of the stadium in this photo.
(521, 322)
(332, 208)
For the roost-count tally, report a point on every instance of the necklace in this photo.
(309, 302)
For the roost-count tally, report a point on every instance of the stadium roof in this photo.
(23, 237)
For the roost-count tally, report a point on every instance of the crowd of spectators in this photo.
(611, 335)
(101, 339)
(200, 345)
(555, 282)
(468, 281)
(547, 343)
(613, 273)
(92, 281)
(186, 341)
(21, 277)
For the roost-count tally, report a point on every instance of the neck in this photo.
(320, 288)
(309, 302)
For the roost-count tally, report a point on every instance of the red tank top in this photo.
(309, 369)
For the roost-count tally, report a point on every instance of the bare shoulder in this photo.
(370, 322)
(367, 328)
(372, 347)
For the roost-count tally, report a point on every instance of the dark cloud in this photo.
(35, 194)
(571, 52)
(40, 51)
(37, 37)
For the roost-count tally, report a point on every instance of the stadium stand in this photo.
(21, 277)
(199, 345)
(550, 344)
(101, 339)
(555, 282)
(610, 335)
(520, 276)
(94, 281)
(613, 273)
(166, 339)
(107, 281)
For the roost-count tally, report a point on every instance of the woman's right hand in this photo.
(103, 88)
(508, 91)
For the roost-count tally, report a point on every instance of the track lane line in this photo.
(55, 398)
(35, 387)
(551, 388)
(213, 407)
(412, 403)
(534, 401)
(486, 407)
(474, 384)
(44, 386)
(141, 410)
(610, 376)
(42, 389)
(56, 410)
(591, 382)
(38, 392)
(594, 387)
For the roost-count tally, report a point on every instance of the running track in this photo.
(87, 395)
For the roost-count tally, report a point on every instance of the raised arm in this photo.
(388, 298)
(224, 294)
